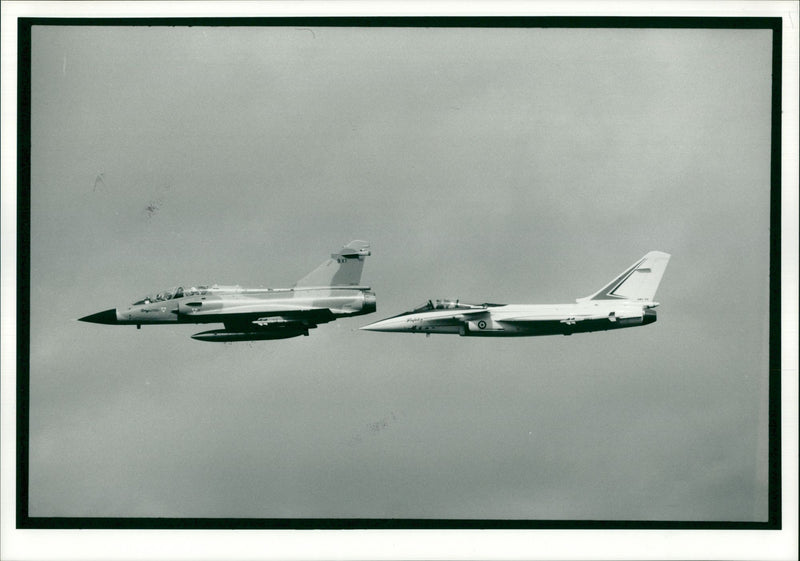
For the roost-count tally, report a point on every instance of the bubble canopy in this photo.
(171, 294)
(445, 305)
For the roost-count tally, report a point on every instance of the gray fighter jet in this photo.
(329, 292)
(627, 301)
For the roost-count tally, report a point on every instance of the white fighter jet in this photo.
(627, 301)
(331, 291)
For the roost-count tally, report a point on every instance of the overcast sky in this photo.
(513, 165)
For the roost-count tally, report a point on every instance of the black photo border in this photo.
(23, 518)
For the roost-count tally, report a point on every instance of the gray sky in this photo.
(516, 166)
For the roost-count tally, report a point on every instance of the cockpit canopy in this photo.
(172, 293)
(445, 305)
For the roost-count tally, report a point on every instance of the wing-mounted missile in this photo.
(273, 322)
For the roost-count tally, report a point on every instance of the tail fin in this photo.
(342, 269)
(638, 282)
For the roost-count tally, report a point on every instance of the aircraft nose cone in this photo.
(108, 317)
(383, 325)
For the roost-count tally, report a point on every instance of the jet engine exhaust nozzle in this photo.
(370, 303)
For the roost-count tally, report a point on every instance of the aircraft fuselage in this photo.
(225, 304)
(330, 291)
(515, 320)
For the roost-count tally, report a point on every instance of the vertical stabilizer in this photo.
(638, 282)
(342, 269)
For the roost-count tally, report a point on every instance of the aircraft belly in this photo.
(530, 329)
(453, 329)
(543, 328)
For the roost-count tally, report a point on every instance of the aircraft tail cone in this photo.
(107, 317)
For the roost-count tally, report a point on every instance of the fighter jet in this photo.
(627, 301)
(329, 292)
